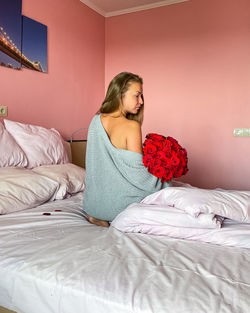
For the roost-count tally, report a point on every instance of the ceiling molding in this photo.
(144, 7)
(94, 7)
(133, 9)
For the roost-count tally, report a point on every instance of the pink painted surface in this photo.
(68, 96)
(194, 58)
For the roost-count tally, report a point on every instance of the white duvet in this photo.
(191, 213)
(59, 263)
(168, 221)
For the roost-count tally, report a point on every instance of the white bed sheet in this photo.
(60, 263)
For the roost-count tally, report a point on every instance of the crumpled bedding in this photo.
(153, 220)
(53, 261)
(166, 213)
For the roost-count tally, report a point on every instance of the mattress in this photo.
(52, 260)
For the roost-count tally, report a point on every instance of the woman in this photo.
(115, 174)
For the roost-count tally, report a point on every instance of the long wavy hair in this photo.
(116, 89)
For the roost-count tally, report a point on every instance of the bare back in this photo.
(123, 133)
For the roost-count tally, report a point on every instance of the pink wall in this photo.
(194, 58)
(69, 94)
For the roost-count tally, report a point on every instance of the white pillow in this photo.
(42, 146)
(22, 189)
(10, 153)
(232, 204)
(70, 177)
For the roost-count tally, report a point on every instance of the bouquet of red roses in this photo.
(164, 157)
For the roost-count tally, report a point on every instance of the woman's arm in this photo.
(134, 137)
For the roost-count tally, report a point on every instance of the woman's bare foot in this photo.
(97, 222)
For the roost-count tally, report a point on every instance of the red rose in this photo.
(178, 172)
(166, 146)
(168, 176)
(149, 149)
(183, 157)
(155, 137)
(184, 152)
(147, 159)
(174, 158)
(167, 163)
(147, 141)
(155, 163)
(159, 171)
(160, 155)
(159, 145)
(175, 145)
(183, 162)
(172, 140)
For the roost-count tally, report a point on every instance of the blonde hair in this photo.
(116, 89)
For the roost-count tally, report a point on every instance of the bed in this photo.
(52, 260)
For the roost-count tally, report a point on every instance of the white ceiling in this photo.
(117, 7)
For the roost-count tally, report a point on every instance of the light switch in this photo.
(242, 132)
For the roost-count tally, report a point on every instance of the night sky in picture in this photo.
(10, 28)
(34, 45)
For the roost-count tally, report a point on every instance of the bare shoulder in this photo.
(133, 136)
(132, 125)
(132, 128)
(123, 133)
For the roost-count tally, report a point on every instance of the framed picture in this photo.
(10, 33)
(34, 45)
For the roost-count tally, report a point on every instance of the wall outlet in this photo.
(3, 110)
(242, 132)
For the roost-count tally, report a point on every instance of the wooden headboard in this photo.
(3, 310)
(78, 151)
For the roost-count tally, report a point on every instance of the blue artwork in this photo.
(10, 33)
(34, 45)
(23, 41)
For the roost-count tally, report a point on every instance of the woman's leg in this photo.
(97, 222)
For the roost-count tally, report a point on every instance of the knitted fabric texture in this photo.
(115, 178)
